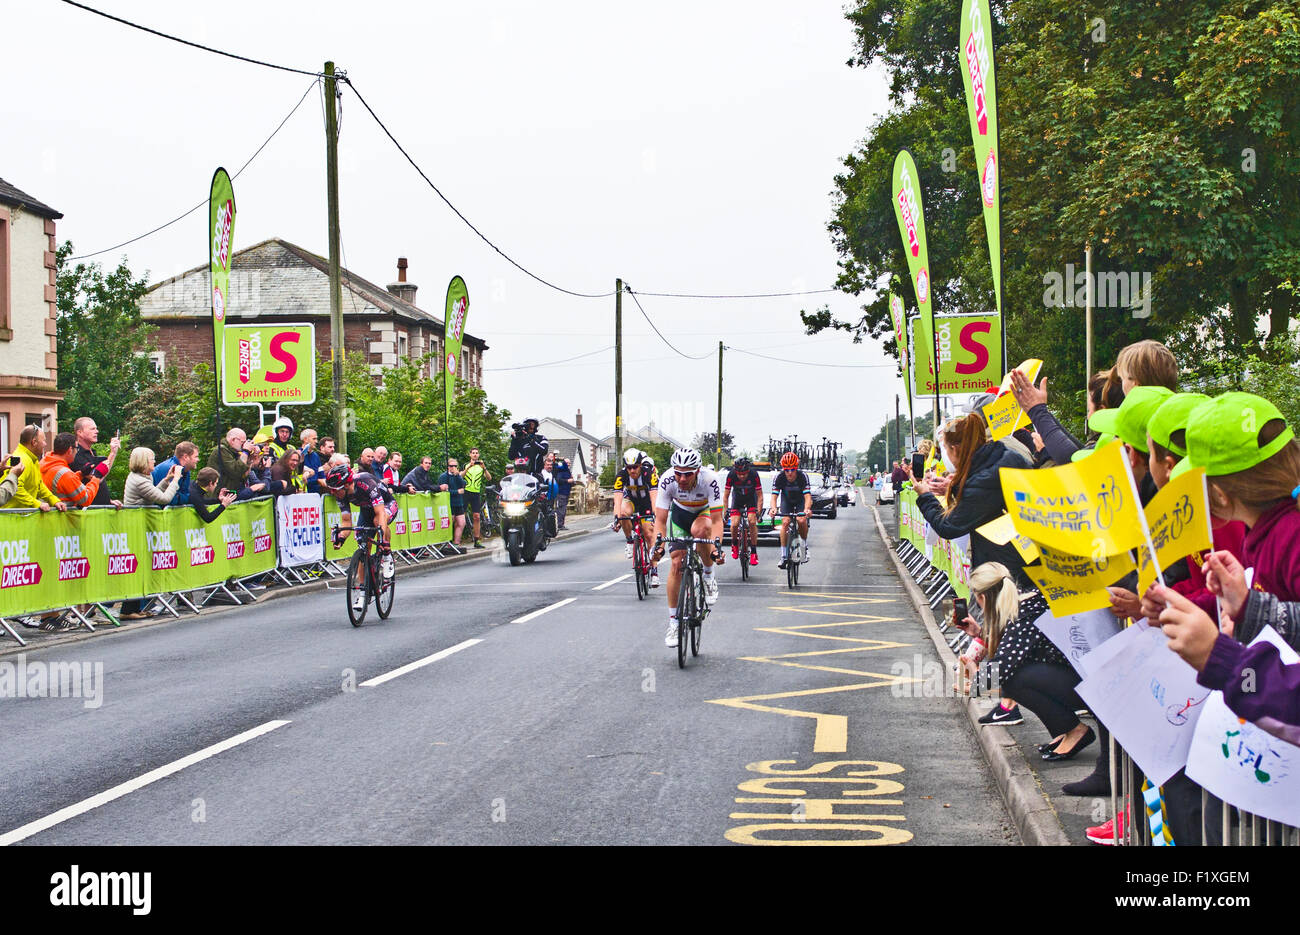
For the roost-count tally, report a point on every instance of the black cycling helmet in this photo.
(742, 465)
(338, 477)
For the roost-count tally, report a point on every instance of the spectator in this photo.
(259, 481)
(230, 459)
(418, 478)
(73, 488)
(475, 474)
(392, 474)
(201, 495)
(281, 437)
(1146, 363)
(974, 492)
(87, 433)
(140, 489)
(32, 493)
(381, 459)
(314, 457)
(9, 486)
(897, 476)
(452, 482)
(187, 456)
(287, 474)
(366, 462)
(564, 480)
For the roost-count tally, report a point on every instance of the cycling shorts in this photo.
(680, 522)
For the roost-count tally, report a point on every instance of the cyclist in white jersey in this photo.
(688, 503)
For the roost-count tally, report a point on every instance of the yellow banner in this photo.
(1066, 597)
(1002, 415)
(1030, 369)
(1179, 520)
(1086, 508)
(1000, 531)
(1083, 572)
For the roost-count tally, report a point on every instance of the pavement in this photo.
(1030, 787)
(500, 705)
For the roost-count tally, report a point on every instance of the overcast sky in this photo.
(685, 147)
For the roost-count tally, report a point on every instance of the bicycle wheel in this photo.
(384, 599)
(744, 552)
(358, 583)
(791, 568)
(794, 566)
(685, 609)
(698, 622)
(639, 569)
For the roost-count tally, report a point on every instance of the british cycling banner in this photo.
(300, 526)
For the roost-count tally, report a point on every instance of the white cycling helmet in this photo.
(686, 458)
(632, 457)
(282, 422)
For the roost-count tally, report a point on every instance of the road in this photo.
(809, 717)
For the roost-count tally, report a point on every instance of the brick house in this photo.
(277, 279)
(585, 453)
(29, 366)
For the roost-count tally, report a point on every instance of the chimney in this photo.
(578, 420)
(402, 289)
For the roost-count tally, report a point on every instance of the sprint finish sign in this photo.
(269, 365)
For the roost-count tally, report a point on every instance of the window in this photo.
(401, 347)
(158, 360)
(5, 333)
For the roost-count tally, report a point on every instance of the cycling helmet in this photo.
(687, 458)
(632, 457)
(789, 460)
(742, 465)
(338, 477)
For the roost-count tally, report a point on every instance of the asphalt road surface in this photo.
(813, 717)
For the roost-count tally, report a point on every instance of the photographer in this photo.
(75, 488)
(230, 459)
(526, 443)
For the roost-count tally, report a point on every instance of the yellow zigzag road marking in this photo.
(832, 733)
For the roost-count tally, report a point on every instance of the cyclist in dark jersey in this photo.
(744, 491)
(633, 489)
(375, 501)
(792, 493)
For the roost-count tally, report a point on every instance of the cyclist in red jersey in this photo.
(744, 480)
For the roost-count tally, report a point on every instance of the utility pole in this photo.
(618, 374)
(898, 427)
(1087, 315)
(336, 291)
(718, 461)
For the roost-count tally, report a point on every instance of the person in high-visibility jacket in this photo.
(32, 494)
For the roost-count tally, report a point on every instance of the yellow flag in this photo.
(1029, 368)
(1067, 597)
(1000, 531)
(1002, 415)
(1179, 520)
(1084, 573)
(1089, 507)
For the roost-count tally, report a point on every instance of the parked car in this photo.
(885, 493)
(825, 498)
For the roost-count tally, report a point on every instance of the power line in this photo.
(515, 263)
(752, 295)
(550, 363)
(125, 243)
(811, 363)
(660, 333)
(205, 48)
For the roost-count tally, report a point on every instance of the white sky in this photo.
(688, 147)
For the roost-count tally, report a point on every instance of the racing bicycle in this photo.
(796, 553)
(692, 607)
(641, 562)
(741, 528)
(366, 578)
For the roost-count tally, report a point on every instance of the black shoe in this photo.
(1088, 738)
(1096, 784)
(479, 545)
(1048, 747)
(1005, 717)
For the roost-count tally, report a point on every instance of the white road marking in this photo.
(537, 613)
(419, 663)
(131, 785)
(607, 584)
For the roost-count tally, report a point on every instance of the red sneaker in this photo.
(753, 558)
(1106, 834)
(735, 551)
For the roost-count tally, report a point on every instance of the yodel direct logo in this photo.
(200, 552)
(121, 560)
(907, 206)
(234, 540)
(977, 66)
(19, 569)
(164, 558)
(72, 564)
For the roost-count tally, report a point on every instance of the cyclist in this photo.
(377, 505)
(747, 496)
(689, 503)
(792, 492)
(633, 488)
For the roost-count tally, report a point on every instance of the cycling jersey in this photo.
(745, 491)
(637, 489)
(369, 494)
(473, 478)
(705, 495)
(791, 491)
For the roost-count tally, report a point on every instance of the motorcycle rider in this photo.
(525, 442)
(281, 433)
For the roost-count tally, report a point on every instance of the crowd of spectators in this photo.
(1207, 605)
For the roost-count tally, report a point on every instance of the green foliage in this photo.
(99, 331)
(1171, 147)
(706, 443)
(662, 452)
(875, 454)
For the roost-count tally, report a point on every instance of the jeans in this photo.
(562, 508)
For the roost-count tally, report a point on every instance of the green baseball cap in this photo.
(1102, 441)
(1129, 421)
(1223, 435)
(1172, 416)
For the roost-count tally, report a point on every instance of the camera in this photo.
(517, 426)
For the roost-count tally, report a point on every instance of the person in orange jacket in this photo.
(69, 485)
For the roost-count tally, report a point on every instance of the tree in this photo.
(706, 443)
(1166, 135)
(99, 331)
(875, 455)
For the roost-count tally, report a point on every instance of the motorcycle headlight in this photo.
(515, 509)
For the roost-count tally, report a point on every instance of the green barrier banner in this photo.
(332, 514)
(423, 515)
(50, 560)
(946, 555)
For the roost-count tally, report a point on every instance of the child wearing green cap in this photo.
(1252, 462)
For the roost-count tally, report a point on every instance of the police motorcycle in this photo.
(527, 522)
